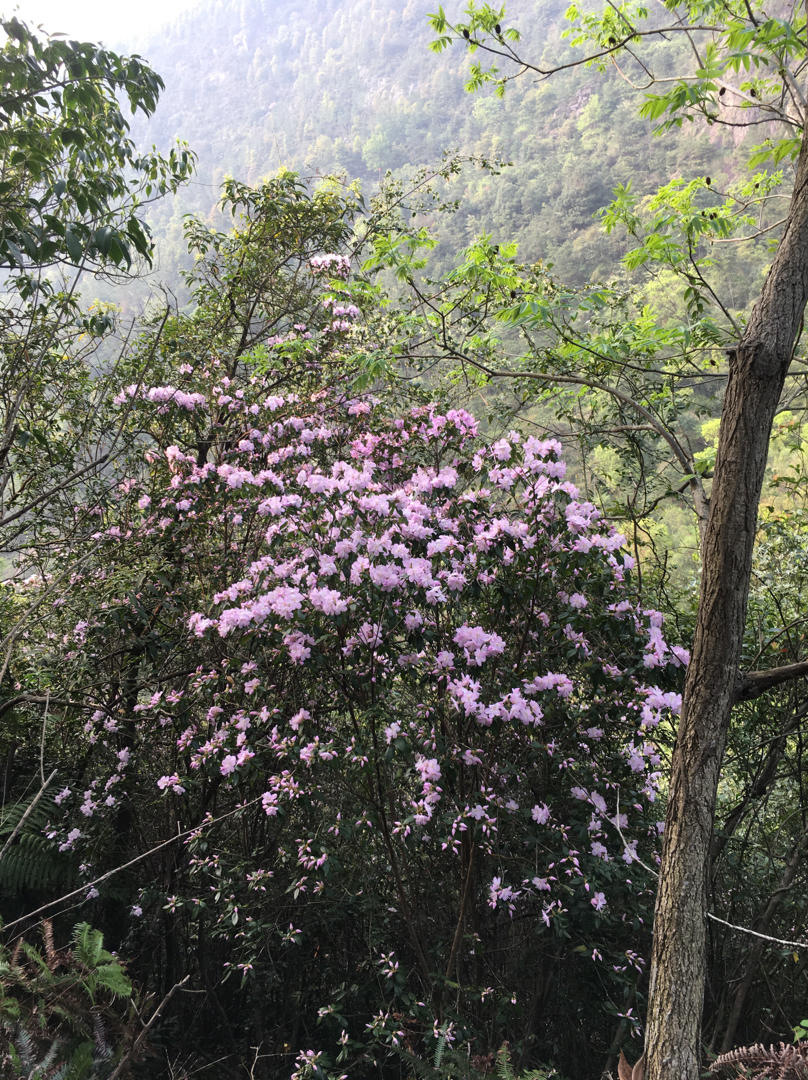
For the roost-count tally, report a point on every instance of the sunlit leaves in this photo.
(773, 151)
(736, 63)
(404, 253)
(483, 26)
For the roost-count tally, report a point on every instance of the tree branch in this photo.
(43, 699)
(28, 811)
(754, 683)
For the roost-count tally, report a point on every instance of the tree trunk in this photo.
(757, 372)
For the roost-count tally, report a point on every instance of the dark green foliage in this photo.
(32, 862)
(454, 1063)
(72, 181)
(30, 865)
(58, 1013)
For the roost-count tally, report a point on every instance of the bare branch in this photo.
(48, 495)
(28, 811)
(754, 683)
(42, 699)
(142, 1035)
(685, 460)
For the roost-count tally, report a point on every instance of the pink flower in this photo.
(284, 601)
(428, 768)
(386, 577)
(172, 782)
(72, 837)
(297, 720)
(329, 601)
(228, 765)
(298, 646)
(478, 644)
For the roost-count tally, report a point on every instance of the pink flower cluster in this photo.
(395, 598)
(338, 265)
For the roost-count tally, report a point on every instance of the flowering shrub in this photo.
(411, 656)
(388, 572)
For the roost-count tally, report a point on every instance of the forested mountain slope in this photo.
(349, 87)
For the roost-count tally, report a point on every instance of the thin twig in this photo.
(24, 817)
(42, 740)
(757, 934)
(715, 918)
(144, 1032)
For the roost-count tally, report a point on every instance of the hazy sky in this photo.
(115, 22)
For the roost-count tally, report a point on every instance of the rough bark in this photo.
(757, 372)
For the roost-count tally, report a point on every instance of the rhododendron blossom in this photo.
(387, 633)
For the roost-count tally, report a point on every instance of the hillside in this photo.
(352, 88)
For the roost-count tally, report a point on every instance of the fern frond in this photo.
(423, 1069)
(38, 817)
(57, 1009)
(505, 1069)
(33, 863)
(24, 1049)
(450, 1063)
(787, 1061)
(31, 1068)
(89, 945)
(47, 939)
(504, 1066)
(103, 1049)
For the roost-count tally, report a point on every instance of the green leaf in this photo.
(113, 978)
(89, 945)
(74, 246)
